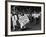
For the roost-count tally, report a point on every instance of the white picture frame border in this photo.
(24, 32)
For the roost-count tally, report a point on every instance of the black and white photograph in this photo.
(25, 18)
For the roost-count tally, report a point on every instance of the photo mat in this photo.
(25, 18)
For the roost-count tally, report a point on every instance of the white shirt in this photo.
(23, 19)
(14, 19)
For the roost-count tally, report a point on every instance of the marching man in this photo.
(23, 20)
(14, 19)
